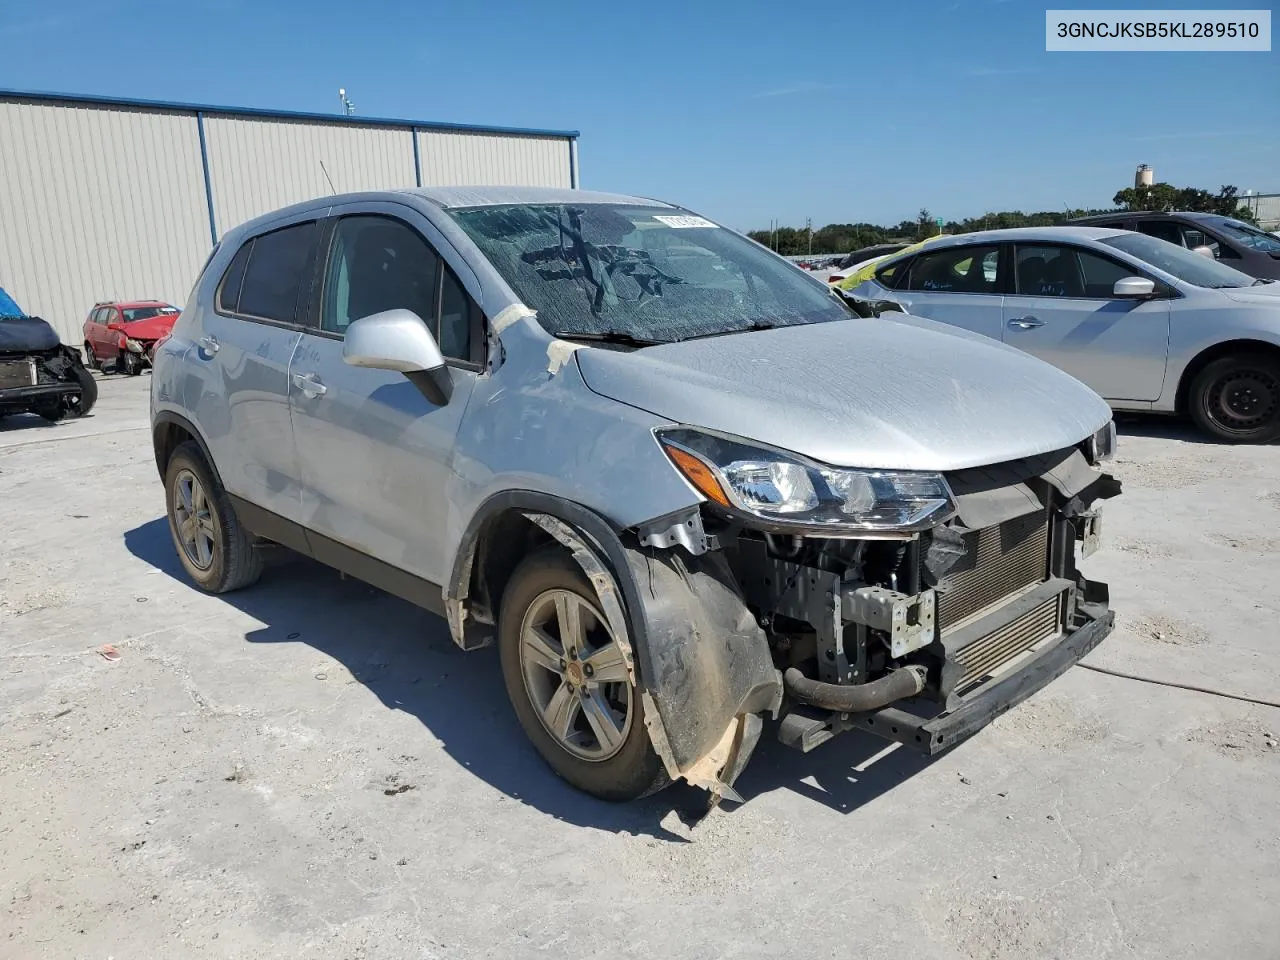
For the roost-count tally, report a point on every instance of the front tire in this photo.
(215, 550)
(88, 391)
(1237, 399)
(130, 363)
(569, 684)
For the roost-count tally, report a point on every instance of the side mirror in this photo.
(1204, 252)
(399, 340)
(1134, 288)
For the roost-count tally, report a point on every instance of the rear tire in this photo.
(620, 765)
(90, 358)
(1237, 399)
(215, 550)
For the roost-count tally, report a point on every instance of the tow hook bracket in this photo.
(1089, 531)
(908, 621)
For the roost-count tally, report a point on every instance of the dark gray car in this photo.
(1233, 242)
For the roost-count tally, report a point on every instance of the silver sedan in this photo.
(1149, 325)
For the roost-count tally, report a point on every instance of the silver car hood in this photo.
(1268, 293)
(905, 393)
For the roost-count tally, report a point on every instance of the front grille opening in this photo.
(998, 561)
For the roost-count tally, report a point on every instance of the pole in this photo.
(808, 225)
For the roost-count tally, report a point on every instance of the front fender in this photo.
(703, 662)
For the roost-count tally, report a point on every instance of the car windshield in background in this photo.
(641, 274)
(1187, 266)
(145, 313)
(1251, 237)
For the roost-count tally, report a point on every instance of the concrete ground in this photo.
(309, 768)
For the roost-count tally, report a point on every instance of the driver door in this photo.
(376, 456)
(1062, 310)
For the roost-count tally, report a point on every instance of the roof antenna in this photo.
(348, 108)
(332, 188)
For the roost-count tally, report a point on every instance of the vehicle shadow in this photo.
(1167, 428)
(404, 656)
(25, 421)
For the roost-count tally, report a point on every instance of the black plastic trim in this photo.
(271, 526)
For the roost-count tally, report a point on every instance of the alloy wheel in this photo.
(576, 675)
(193, 519)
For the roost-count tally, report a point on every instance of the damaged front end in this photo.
(917, 607)
(39, 374)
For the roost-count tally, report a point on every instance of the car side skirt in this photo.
(271, 526)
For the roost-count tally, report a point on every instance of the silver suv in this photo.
(680, 482)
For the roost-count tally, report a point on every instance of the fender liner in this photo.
(704, 665)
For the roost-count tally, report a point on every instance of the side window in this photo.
(229, 287)
(1100, 275)
(455, 318)
(1046, 271)
(1162, 230)
(376, 264)
(956, 270)
(891, 277)
(96, 315)
(279, 265)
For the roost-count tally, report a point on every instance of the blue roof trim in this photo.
(280, 114)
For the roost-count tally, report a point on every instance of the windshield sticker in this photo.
(681, 223)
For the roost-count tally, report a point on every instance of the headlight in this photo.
(133, 346)
(794, 493)
(1102, 445)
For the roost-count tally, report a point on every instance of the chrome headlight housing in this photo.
(792, 493)
(1102, 445)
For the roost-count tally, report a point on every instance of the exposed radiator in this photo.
(996, 648)
(998, 561)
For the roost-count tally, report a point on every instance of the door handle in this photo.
(310, 385)
(1026, 323)
(209, 345)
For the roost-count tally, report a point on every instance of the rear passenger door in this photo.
(960, 285)
(241, 356)
(1063, 310)
(376, 455)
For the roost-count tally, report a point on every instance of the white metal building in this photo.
(104, 199)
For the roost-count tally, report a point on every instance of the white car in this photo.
(1149, 325)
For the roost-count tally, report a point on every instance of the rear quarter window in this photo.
(229, 285)
(278, 265)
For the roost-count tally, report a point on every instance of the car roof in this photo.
(445, 198)
(1047, 234)
(1151, 215)
(132, 303)
(482, 196)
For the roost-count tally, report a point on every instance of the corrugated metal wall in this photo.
(103, 200)
(97, 203)
(450, 157)
(258, 165)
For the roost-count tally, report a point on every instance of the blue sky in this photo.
(743, 110)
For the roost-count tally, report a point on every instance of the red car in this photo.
(126, 333)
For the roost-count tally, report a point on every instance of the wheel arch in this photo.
(498, 537)
(1206, 356)
(168, 431)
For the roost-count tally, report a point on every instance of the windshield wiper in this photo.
(608, 336)
(1258, 283)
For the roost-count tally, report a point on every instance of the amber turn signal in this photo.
(697, 473)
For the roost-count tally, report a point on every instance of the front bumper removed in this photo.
(908, 722)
